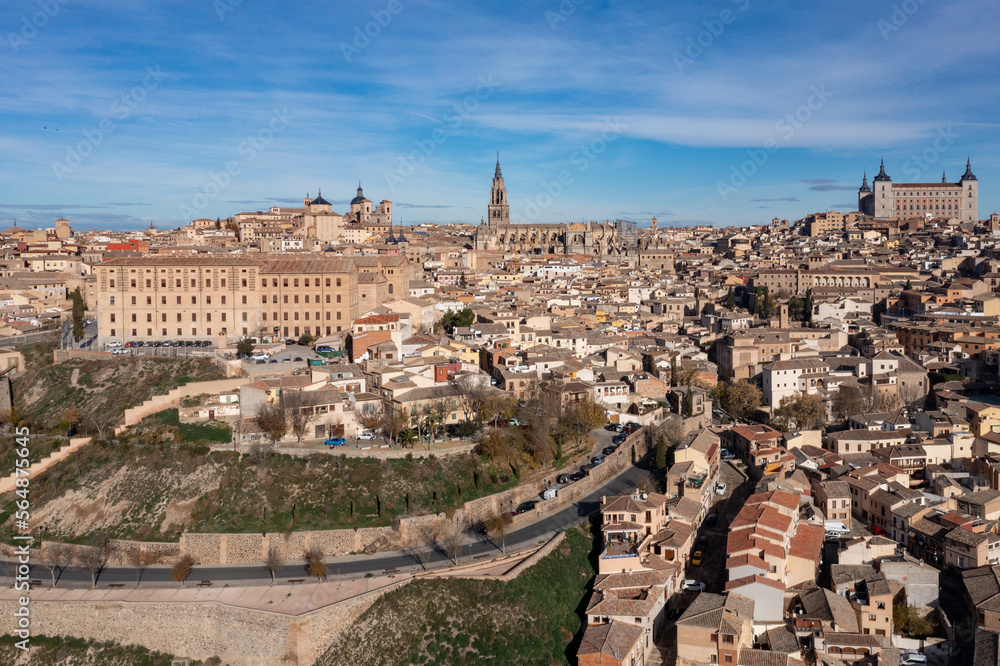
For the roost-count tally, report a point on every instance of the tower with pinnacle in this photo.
(498, 211)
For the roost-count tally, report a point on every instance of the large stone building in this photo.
(595, 238)
(886, 200)
(202, 298)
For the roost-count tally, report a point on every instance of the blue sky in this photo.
(114, 113)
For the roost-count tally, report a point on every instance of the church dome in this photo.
(319, 200)
(360, 198)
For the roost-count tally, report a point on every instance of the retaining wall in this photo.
(173, 398)
(9, 482)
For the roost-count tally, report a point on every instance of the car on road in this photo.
(619, 438)
(692, 585)
(596, 460)
(720, 488)
(712, 520)
(335, 441)
(696, 560)
(562, 479)
(576, 476)
(608, 450)
(367, 436)
(524, 507)
(119, 351)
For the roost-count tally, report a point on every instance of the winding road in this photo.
(352, 566)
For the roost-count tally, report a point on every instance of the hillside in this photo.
(53, 650)
(530, 620)
(153, 484)
(94, 394)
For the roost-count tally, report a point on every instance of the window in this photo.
(112, 319)
(338, 282)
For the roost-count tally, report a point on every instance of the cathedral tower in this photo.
(498, 212)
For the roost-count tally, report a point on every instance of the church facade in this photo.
(886, 200)
(595, 238)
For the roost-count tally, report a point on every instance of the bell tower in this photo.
(498, 211)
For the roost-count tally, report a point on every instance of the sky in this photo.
(121, 113)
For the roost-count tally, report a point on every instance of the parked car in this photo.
(585, 469)
(324, 349)
(614, 427)
(562, 479)
(631, 428)
(696, 560)
(113, 344)
(832, 537)
(726, 454)
(608, 450)
(260, 356)
(702, 543)
(549, 493)
(720, 488)
(619, 438)
(525, 507)
(712, 520)
(913, 659)
(335, 441)
(692, 585)
(596, 460)
(576, 476)
(367, 436)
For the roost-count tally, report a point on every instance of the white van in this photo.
(836, 527)
(549, 493)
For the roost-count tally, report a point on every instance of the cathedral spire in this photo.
(864, 183)
(497, 174)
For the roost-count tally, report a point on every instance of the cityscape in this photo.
(557, 333)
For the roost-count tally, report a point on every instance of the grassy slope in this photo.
(45, 392)
(52, 650)
(530, 620)
(320, 492)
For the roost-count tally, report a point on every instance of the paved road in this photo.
(354, 567)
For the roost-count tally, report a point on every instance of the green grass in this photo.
(530, 620)
(191, 433)
(67, 651)
(145, 473)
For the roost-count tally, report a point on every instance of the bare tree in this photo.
(451, 543)
(419, 544)
(392, 421)
(56, 556)
(260, 453)
(93, 559)
(299, 414)
(271, 419)
(474, 389)
(139, 561)
(182, 569)
(274, 561)
(497, 528)
(315, 564)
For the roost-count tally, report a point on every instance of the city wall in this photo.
(8, 482)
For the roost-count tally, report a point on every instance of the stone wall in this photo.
(172, 399)
(197, 629)
(8, 483)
